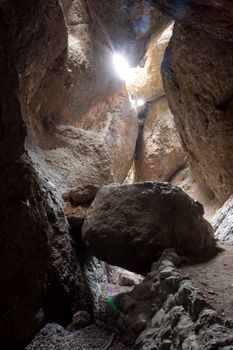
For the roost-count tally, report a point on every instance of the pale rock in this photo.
(223, 222)
(191, 185)
(146, 82)
(115, 120)
(159, 151)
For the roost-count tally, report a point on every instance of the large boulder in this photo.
(116, 121)
(159, 151)
(223, 222)
(197, 73)
(130, 225)
(146, 82)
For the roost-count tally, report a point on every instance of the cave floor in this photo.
(214, 279)
(88, 338)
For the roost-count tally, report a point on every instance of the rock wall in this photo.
(40, 275)
(46, 72)
(197, 74)
(214, 17)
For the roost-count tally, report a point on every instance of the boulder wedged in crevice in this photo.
(197, 74)
(131, 225)
(145, 81)
(159, 152)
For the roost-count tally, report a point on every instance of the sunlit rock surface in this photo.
(223, 222)
(131, 225)
(146, 82)
(159, 152)
(116, 121)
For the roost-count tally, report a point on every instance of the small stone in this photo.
(80, 320)
(83, 194)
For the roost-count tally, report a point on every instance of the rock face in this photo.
(223, 222)
(130, 225)
(96, 31)
(196, 190)
(214, 17)
(146, 82)
(117, 123)
(41, 278)
(159, 151)
(40, 275)
(180, 317)
(197, 74)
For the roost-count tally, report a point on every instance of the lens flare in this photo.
(110, 300)
(121, 66)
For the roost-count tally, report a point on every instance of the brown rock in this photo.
(131, 225)
(146, 82)
(159, 151)
(198, 74)
(212, 16)
(117, 124)
(83, 194)
(40, 276)
(196, 190)
(96, 31)
(75, 215)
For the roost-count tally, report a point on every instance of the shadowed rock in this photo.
(131, 225)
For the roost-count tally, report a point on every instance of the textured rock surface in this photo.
(40, 274)
(82, 194)
(116, 122)
(196, 190)
(146, 82)
(159, 151)
(41, 277)
(223, 222)
(127, 24)
(80, 320)
(53, 336)
(122, 277)
(198, 73)
(75, 214)
(71, 158)
(167, 311)
(130, 225)
(212, 16)
(96, 31)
